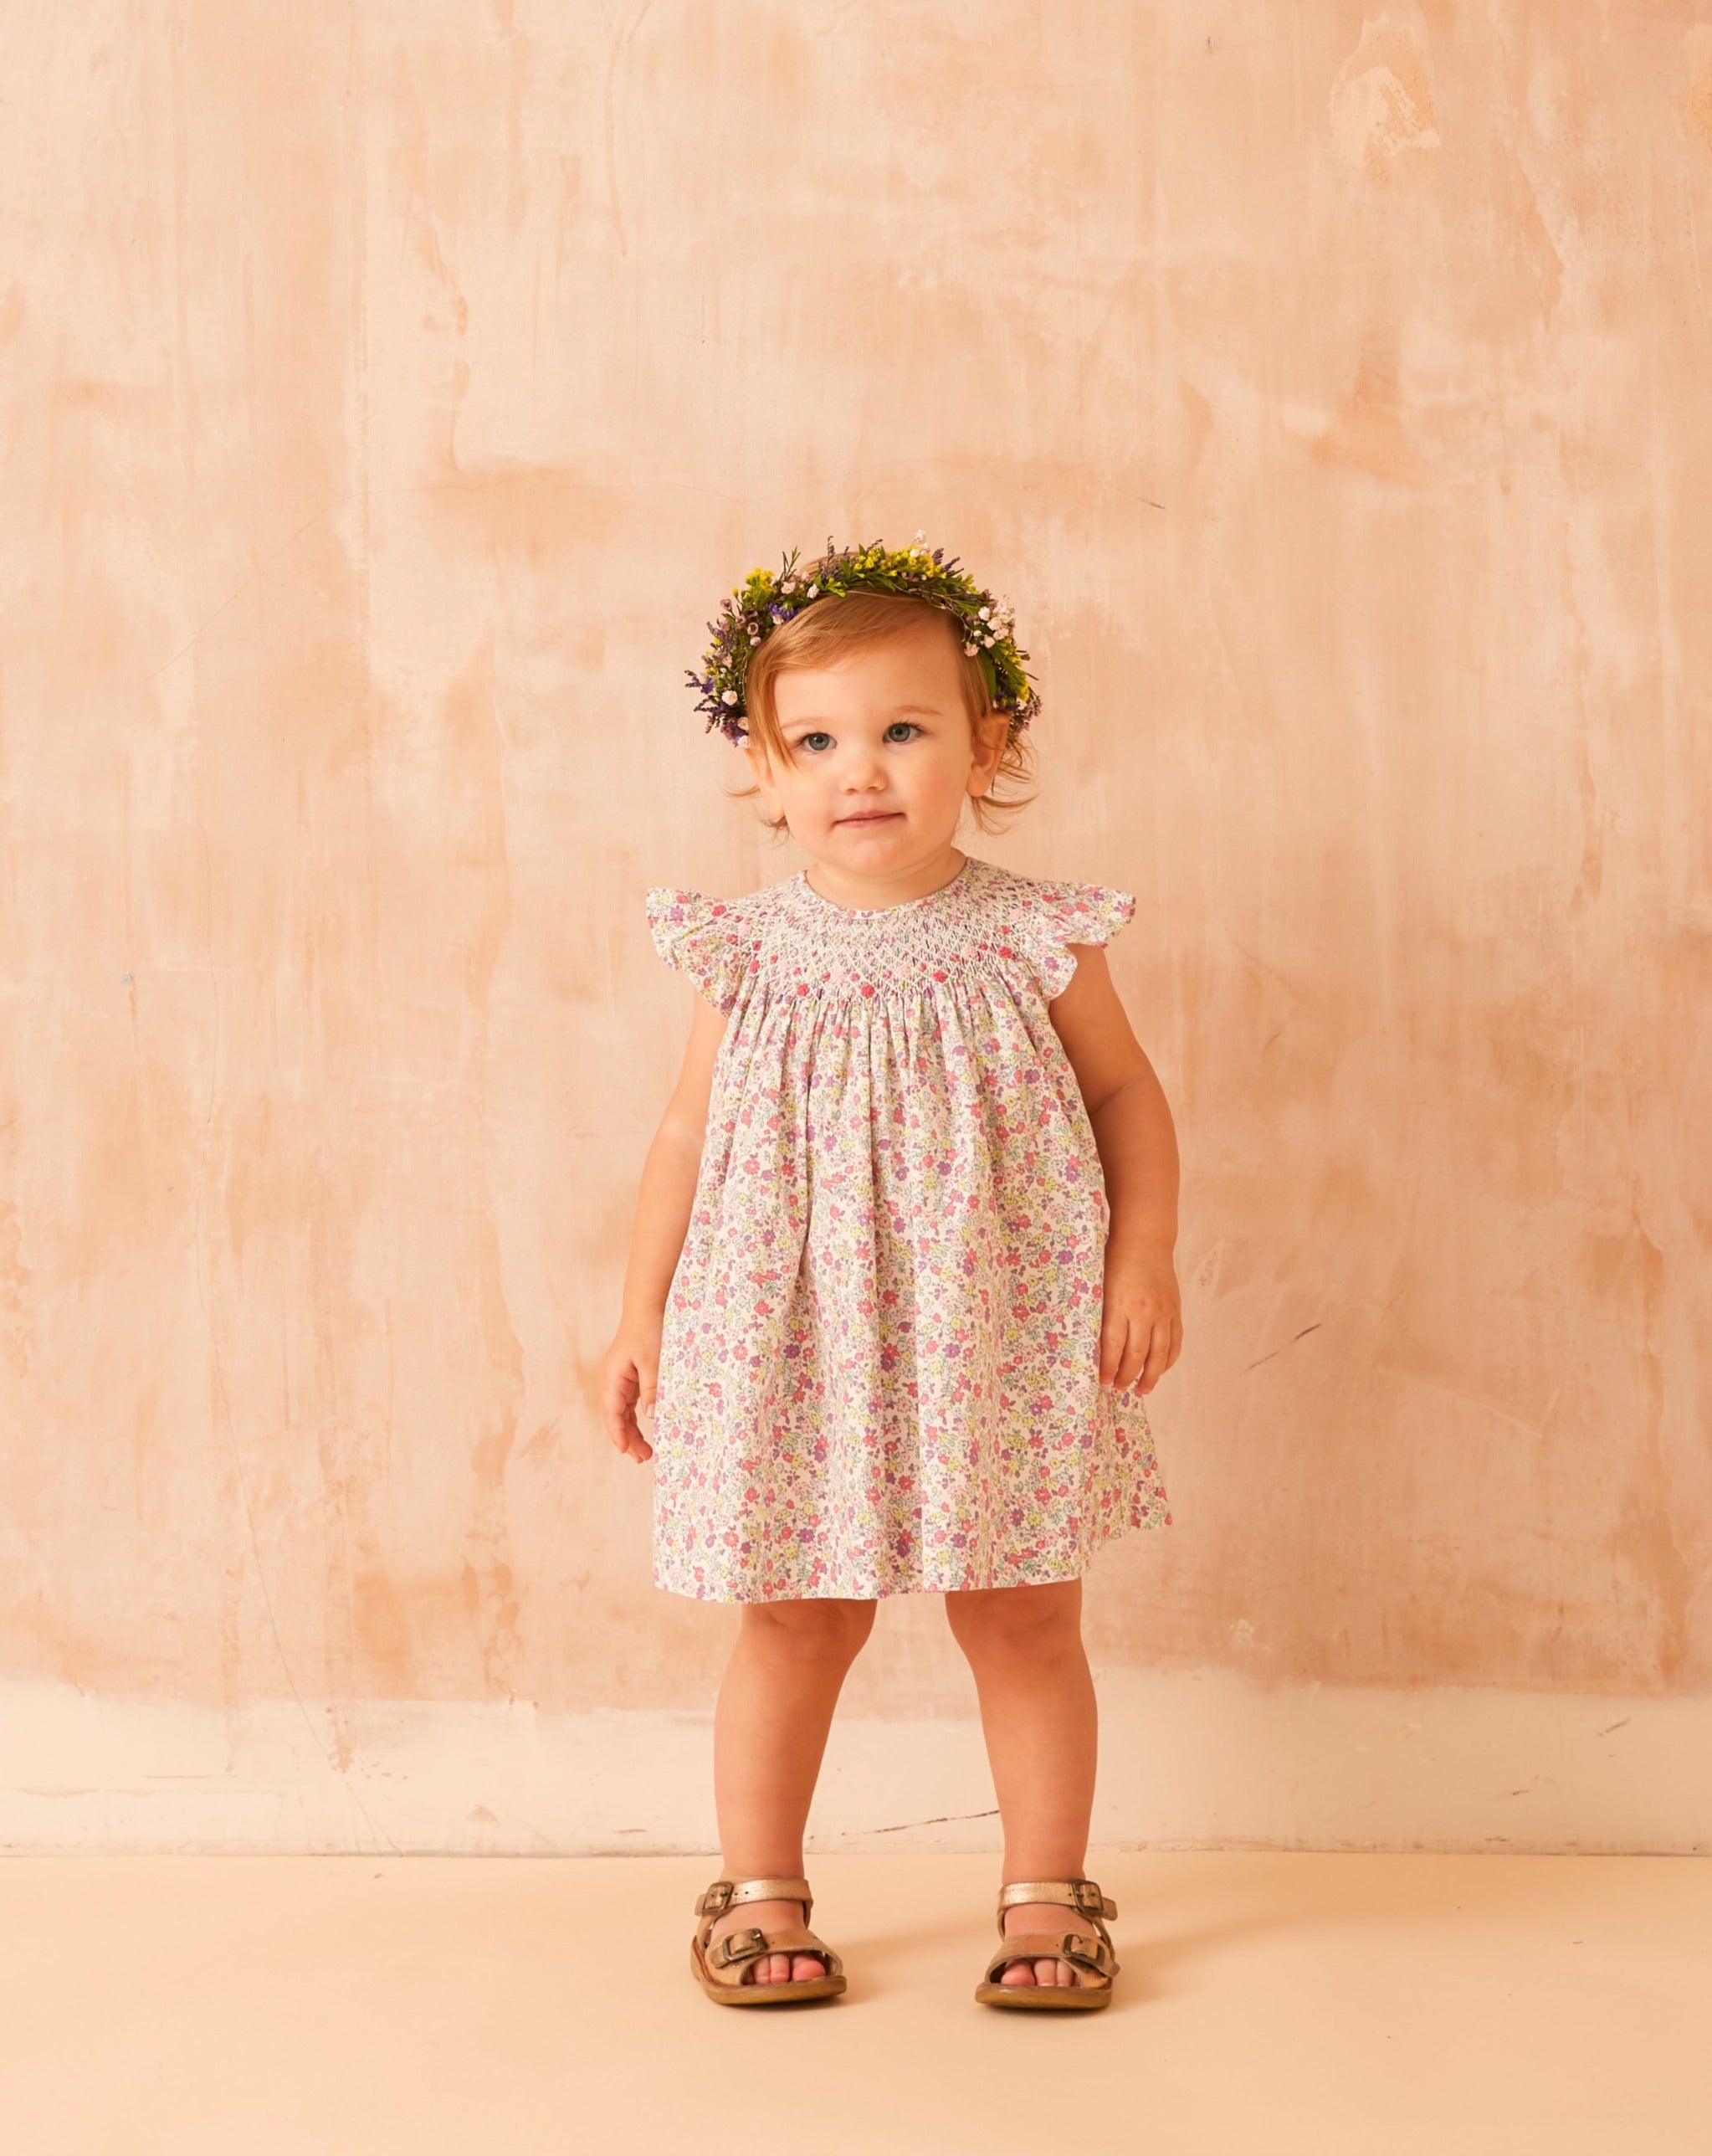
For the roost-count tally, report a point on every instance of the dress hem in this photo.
(1147, 1524)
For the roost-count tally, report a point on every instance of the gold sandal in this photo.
(719, 1964)
(1093, 1958)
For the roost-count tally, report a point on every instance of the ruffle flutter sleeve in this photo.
(1057, 914)
(706, 938)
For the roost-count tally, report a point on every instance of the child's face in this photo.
(880, 757)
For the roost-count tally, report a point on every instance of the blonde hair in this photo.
(821, 635)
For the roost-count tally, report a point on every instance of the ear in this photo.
(761, 771)
(989, 747)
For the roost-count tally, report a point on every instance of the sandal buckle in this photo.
(716, 1900)
(736, 1946)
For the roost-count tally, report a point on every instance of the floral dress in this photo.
(880, 1362)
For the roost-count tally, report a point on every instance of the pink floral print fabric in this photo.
(879, 1363)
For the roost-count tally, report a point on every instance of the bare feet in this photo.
(772, 1916)
(1043, 1917)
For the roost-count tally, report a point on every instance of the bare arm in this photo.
(664, 1199)
(1141, 1332)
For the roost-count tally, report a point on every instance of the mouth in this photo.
(879, 816)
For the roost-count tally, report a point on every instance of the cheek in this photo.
(943, 771)
(795, 782)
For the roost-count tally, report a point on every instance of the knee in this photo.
(830, 1630)
(1017, 1623)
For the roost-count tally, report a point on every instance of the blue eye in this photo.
(909, 725)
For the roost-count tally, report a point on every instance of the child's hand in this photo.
(629, 1374)
(1141, 1327)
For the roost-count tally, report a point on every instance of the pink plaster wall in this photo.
(388, 397)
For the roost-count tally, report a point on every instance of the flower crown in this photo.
(764, 601)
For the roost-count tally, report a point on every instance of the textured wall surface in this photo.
(390, 395)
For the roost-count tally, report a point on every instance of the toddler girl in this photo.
(902, 1259)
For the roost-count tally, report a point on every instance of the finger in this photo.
(1113, 1336)
(615, 1407)
(1154, 1368)
(1135, 1355)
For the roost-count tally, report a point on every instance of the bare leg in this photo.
(1039, 1715)
(770, 1731)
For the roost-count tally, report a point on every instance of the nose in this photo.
(862, 773)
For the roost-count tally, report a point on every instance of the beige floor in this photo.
(1379, 2005)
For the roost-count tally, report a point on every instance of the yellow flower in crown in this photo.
(765, 601)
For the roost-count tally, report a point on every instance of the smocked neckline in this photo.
(903, 905)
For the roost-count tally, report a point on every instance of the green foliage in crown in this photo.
(765, 601)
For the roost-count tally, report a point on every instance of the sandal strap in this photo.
(736, 1948)
(726, 1893)
(1082, 1894)
(1075, 1947)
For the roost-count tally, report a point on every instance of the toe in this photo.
(806, 1968)
(1046, 1972)
(1019, 1972)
